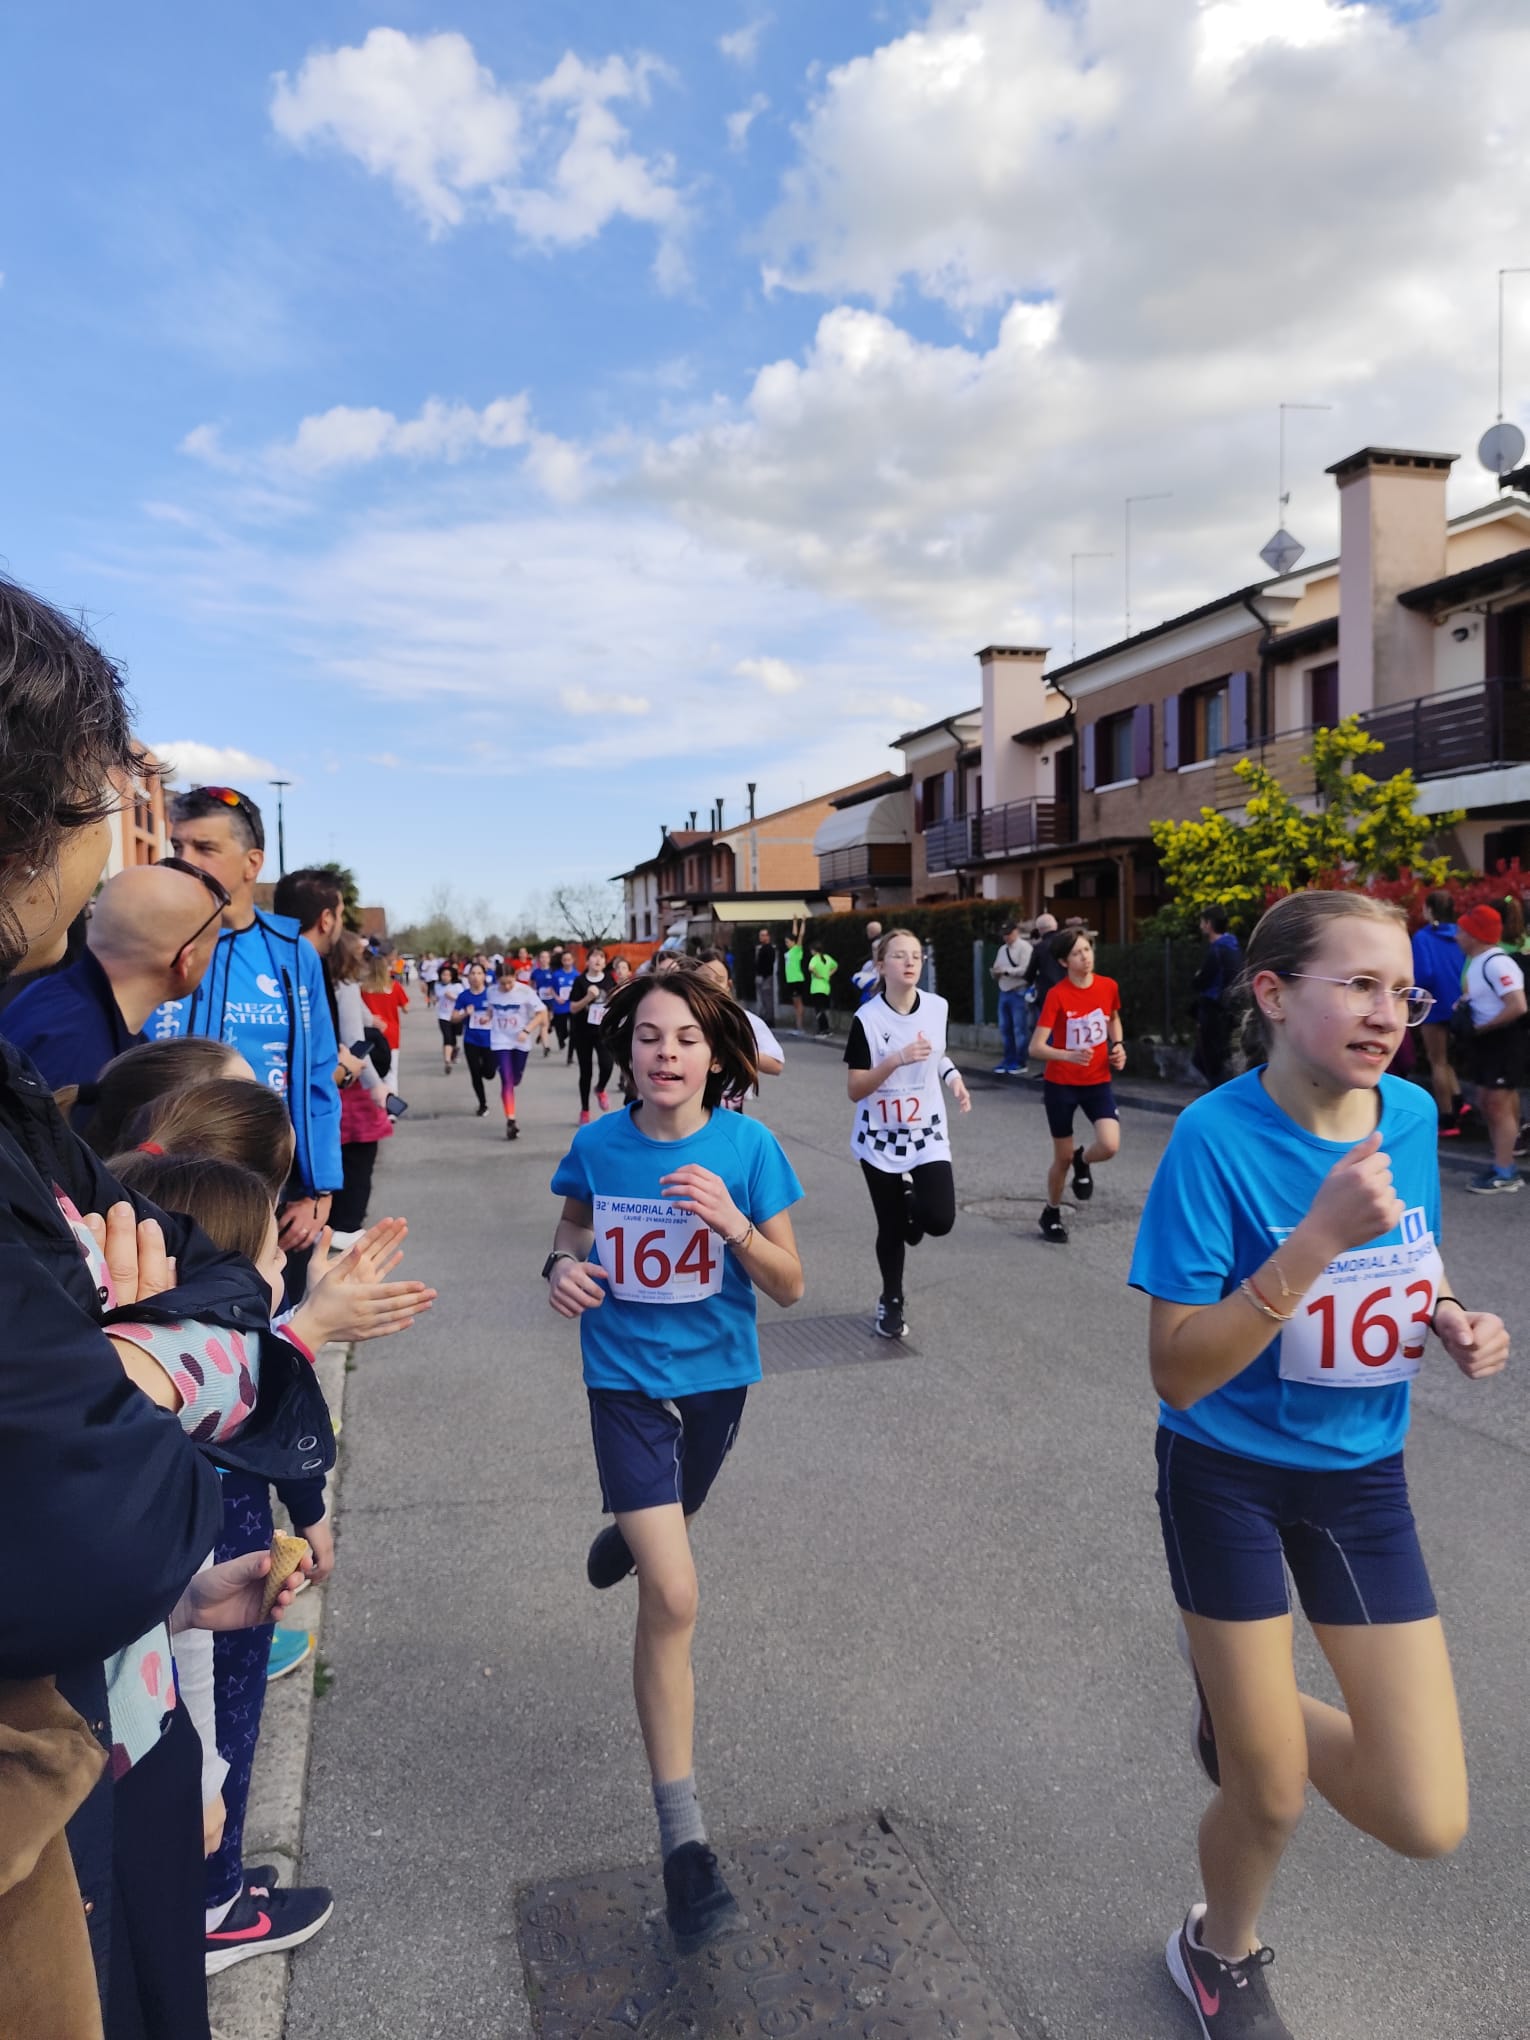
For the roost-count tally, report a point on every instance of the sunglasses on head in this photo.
(215, 887)
(230, 796)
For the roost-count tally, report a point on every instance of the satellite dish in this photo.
(1502, 448)
(1282, 552)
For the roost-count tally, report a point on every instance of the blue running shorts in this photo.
(650, 1453)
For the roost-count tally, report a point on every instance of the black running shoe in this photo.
(697, 1904)
(482, 1112)
(1083, 1178)
(608, 1559)
(1052, 1227)
(512, 1131)
(1203, 1737)
(1231, 1999)
(890, 1324)
(263, 1921)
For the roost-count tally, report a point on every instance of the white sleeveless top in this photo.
(904, 1122)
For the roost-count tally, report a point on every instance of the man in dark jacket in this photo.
(1215, 977)
(150, 938)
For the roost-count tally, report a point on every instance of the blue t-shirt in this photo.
(475, 1005)
(541, 981)
(678, 1318)
(562, 986)
(1437, 965)
(1238, 1177)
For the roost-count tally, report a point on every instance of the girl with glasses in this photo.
(1290, 1246)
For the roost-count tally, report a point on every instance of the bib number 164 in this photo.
(650, 1261)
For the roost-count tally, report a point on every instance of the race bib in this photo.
(655, 1254)
(1364, 1323)
(1085, 1030)
(597, 1013)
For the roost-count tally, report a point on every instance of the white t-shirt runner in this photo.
(513, 1011)
(904, 1122)
(1489, 980)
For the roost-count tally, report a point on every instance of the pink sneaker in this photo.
(602, 1101)
(584, 1119)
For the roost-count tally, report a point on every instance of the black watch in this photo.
(558, 1254)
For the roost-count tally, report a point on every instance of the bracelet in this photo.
(1287, 1293)
(743, 1239)
(1439, 1303)
(1246, 1288)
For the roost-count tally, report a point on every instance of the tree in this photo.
(1362, 829)
(345, 878)
(590, 913)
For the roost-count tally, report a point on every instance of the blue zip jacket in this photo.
(1437, 962)
(264, 995)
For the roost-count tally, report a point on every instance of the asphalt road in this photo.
(932, 1586)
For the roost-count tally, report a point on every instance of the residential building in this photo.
(139, 831)
(1421, 627)
(761, 868)
(865, 846)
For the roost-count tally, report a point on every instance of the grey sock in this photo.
(679, 1812)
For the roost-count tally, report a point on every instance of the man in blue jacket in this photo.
(1437, 966)
(264, 995)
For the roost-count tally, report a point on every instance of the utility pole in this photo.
(1158, 496)
(281, 834)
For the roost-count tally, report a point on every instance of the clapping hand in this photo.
(134, 1250)
(352, 1298)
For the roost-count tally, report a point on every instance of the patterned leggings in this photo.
(239, 1683)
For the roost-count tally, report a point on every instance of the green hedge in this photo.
(949, 931)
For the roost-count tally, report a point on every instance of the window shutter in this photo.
(950, 795)
(1142, 740)
(1172, 710)
(918, 807)
(1088, 739)
(1237, 711)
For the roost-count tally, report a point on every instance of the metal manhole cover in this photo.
(793, 1344)
(839, 1934)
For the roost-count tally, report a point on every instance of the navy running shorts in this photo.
(651, 1453)
(1097, 1101)
(1232, 1526)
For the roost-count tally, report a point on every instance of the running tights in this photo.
(481, 1066)
(907, 1207)
(585, 1046)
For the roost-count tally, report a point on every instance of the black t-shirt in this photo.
(764, 960)
(581, 1023)
(858, 1048)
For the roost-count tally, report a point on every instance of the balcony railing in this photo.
(1464, 730)
(1008, 831)
(866, 864)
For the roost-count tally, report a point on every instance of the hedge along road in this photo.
(931, 1585)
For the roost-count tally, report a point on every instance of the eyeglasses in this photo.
(230, 796)
(1365, 991)
(214, 886)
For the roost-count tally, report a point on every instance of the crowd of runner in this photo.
(194, 1090)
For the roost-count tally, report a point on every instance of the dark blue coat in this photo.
(69, 1024)
(106, 1506)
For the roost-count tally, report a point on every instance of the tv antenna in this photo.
(1158, 496)
(1073, 560)
(1284, 550)
(1502, 446)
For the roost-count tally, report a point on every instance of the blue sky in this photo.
(557, 417)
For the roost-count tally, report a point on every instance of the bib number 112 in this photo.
(1376, 1335)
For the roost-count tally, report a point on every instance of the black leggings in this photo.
(585, 1046)
(481, 1067)
(348, 1206)
(560, 1028)
(931, 1208)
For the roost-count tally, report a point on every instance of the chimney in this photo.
(693, 818)
(752, 784)
(719, 822)
(1014, 698)
(1391, 538)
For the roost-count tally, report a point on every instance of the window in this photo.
(1323, 696)
(937, 803)
(1113, 749)
(1201, 721)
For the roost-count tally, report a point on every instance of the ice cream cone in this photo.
(287, 1554)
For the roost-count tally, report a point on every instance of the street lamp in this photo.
(281, 834)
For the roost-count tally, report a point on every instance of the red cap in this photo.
(1483, 924)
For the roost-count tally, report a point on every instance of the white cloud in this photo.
(774, 675)
(738, 124)
(427, 115)
(190, 762)
(581, 700)
(421, 111)
(205, 443)
(347, 436)
(742, 45)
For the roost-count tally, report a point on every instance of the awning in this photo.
(889, 819)
(759, 911)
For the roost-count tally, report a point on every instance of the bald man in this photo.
(151, 937)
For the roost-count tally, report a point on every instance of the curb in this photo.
(249, 2001)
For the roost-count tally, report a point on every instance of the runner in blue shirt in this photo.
(561, 989)
(1290, 1247)
(473, 1007)
(673, 1213)
(542, 985)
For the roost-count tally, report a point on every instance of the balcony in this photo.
(1013, 830)
(865, 864)
(1465, 730)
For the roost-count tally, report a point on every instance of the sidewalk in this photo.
(249, 2001)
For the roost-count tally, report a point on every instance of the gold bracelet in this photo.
(743, 1239)
(1287, 1293)
(1246, 1288)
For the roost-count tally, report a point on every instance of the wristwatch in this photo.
(558, 1254)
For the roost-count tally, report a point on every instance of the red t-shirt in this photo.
(1074, 1017)
(387, 1006)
